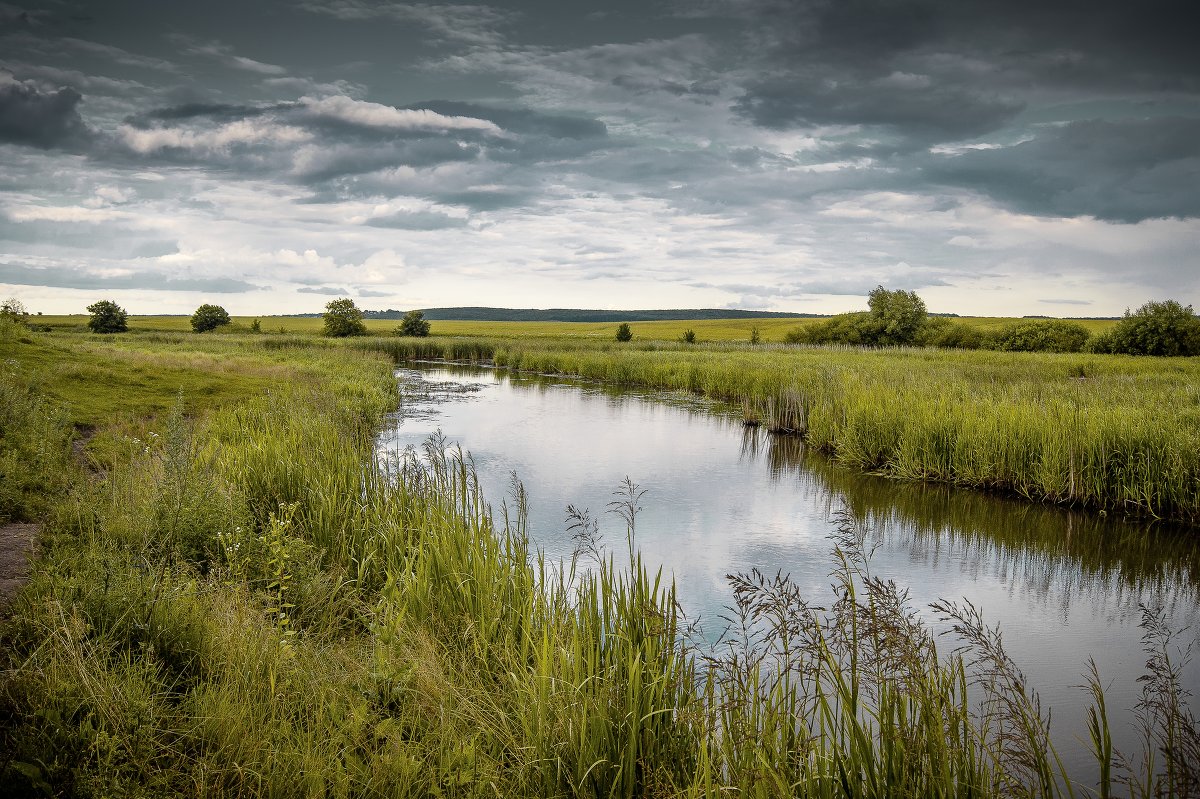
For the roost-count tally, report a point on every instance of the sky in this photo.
(998, 157)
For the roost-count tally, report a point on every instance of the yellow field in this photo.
(706, 329)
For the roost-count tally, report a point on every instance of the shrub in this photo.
(1049, 335)
(755, 338)
(624, 332)
(689, 336)
(107, 317)
(1157, 328)
(896, 318)
(343, 318)
(414, 323)
(209, 317)
(941, 332)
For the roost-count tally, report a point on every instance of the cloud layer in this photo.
(1000, 157)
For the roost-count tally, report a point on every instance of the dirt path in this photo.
(16, 550)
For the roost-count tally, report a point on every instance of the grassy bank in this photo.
(241, 600)
(1113, 433)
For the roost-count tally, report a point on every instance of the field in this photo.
(235, 598)
(770, 330)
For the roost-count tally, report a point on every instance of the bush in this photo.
(689, 336)
(414, 323)
(941, 332)
(896, 319)
(897, 316)
(343, 318)
(209, 317)
(624, 332)
(1050, 335)
(1157, 328)
(107, 317)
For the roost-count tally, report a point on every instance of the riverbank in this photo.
(239, 600)
(1113, 433)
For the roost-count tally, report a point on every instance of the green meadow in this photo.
(234, 596)
(770, 329)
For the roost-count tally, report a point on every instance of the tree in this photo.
(755, 338)
(414, 323)
(1157, 328)
(624, 332)
(343, 318)
(107, 317)
(13, 309)
(689, 336)
(897, 315)
(209, 317)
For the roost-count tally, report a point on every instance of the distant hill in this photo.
(479, 314)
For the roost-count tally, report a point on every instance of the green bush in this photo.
(896, 318)
(414, 323)
(1042, 335)
(343, 318)
(624, 332)
(945, 334)
(209, 317)
(1157, 328)
(107, 317)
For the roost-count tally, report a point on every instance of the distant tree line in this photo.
(899, 318)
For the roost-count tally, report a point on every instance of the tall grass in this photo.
(1112, 433)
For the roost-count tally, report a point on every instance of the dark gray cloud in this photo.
(929, 71)
(44, 119)
(1123, 170)
(80, 278)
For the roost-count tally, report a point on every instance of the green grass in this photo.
(244, 602)
(1114, 433)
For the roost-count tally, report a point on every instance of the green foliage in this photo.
(343, 318)
(941, 332)
(209, 317)
(413, 324)
(689, 336)
(107, 317)
(256, 326)
(14, 310)
(897, 316)
(1042, 335)
(755, 338)
(624, 332)
(1157, 328)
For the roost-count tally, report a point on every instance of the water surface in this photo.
(721, 498)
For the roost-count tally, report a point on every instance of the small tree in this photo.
(897, 315)
(107, 317)
(689, 336)
(343, 318)
(755, 338)
(1157, 328)
(624, 332)
(414, 323)
(209, 317)
(13, 309)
